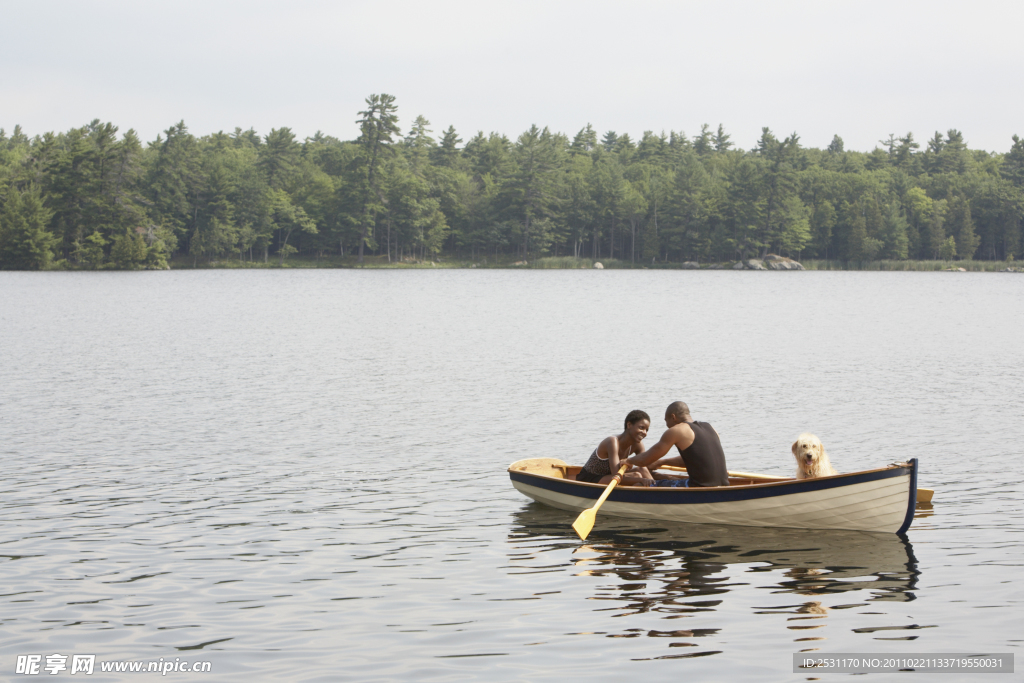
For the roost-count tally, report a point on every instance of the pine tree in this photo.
(531, 193)
(1013, 163)
(936, 229)
(377, 125)
(947, 252)
(651, 245)
(823, 220)
(894, 233)
(128, 251)
(585, 141)
(609, 141)
(722, 143)
(279, 156)
(703, 143)
(960, 225)
(25, 243)
(446, 154)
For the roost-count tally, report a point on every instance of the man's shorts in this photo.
(675, 483)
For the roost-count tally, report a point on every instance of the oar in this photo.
(585, 522)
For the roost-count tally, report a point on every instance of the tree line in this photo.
(89, 198)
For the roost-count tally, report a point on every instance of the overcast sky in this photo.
(859, 69)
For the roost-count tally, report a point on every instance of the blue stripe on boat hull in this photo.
(685, 496)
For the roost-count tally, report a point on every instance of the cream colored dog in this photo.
(811, 458)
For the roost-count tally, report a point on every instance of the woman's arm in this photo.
(611, 445)
(637, 449)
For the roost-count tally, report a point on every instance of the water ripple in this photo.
(301, 475)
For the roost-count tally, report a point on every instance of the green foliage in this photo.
(278, 157)
(104, 200)
(960, 225)
(650, 244)
(561, 262)
(906, 265)
(128, 252)
(377, 125)
(947, 252)
(25, 244)
(794, 225)
(894, 234)
(1013, 165)
(90, 251)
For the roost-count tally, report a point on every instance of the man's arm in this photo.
(674, 460)
(655, 452)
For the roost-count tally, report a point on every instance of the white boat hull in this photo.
(876, 501)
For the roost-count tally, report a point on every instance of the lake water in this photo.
(300, 475)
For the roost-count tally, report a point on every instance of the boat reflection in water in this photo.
(681, 570)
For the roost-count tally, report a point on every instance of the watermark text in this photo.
(43, 665)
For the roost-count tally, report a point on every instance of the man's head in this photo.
(677, 412)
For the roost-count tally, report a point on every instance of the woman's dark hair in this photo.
(634, 417)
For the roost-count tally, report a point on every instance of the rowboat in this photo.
(880, 500)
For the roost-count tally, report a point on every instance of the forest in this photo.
(95, 198)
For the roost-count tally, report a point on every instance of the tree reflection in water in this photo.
(681, 570)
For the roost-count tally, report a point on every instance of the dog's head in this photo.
(812, 608)
(807, 450)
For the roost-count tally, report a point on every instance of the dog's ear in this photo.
(794, 447)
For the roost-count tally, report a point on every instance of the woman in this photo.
(604, 462)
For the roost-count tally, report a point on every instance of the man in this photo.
(700, 451)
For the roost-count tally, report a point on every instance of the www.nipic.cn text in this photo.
(32, 665)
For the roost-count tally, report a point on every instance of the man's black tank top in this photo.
(705, 459)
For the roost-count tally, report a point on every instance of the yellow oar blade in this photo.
(585, 523)
(924, 495)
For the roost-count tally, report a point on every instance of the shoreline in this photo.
(569, 263)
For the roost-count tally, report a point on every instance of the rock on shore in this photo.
(784, 265)
(771, 262)
(776, 262)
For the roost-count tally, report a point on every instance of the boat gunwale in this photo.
(710, 494)
(730, 487)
